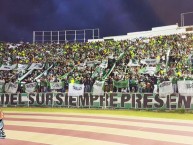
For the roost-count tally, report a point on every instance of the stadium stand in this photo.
(139, 64)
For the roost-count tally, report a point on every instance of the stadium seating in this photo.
(137, 65)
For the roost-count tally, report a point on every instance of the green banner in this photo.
(120, 84)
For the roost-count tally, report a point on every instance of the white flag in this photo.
(75, 89)
(104, 64)
(11, 87)
(36, 66)
(8, 67)
(98, 88)
(56, 85)
(150, 70)
(165, 88)
(29, 88)
(149, 61)
(185, 87)
(22, 66)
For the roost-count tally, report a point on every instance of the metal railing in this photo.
(65, 36)
(182, 16)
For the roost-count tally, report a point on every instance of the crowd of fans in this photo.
(111, 61)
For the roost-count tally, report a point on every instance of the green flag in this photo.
(120, 84)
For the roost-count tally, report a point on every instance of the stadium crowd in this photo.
(139, 65)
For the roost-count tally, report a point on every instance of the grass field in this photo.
(151, 114)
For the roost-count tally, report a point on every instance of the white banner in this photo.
(150, 70)
(98, 88)
(56, 85)
(8, 67)
(104, 64)
(185, 87)
(36, 66)
(133, 63)
(29, 88)
(149, 61)
(75, 89)
(13, 46)
(22, 67)
(90, 63)
(11, 87)
(165, 88)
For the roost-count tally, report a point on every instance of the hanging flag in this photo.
(75, 89)
(29, 88)
(11, 87)
(56, 85)
(185, 87)
(98, 88)
(165, 88)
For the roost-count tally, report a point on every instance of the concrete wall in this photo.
(156, 31)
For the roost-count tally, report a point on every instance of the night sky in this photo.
(18, 18)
